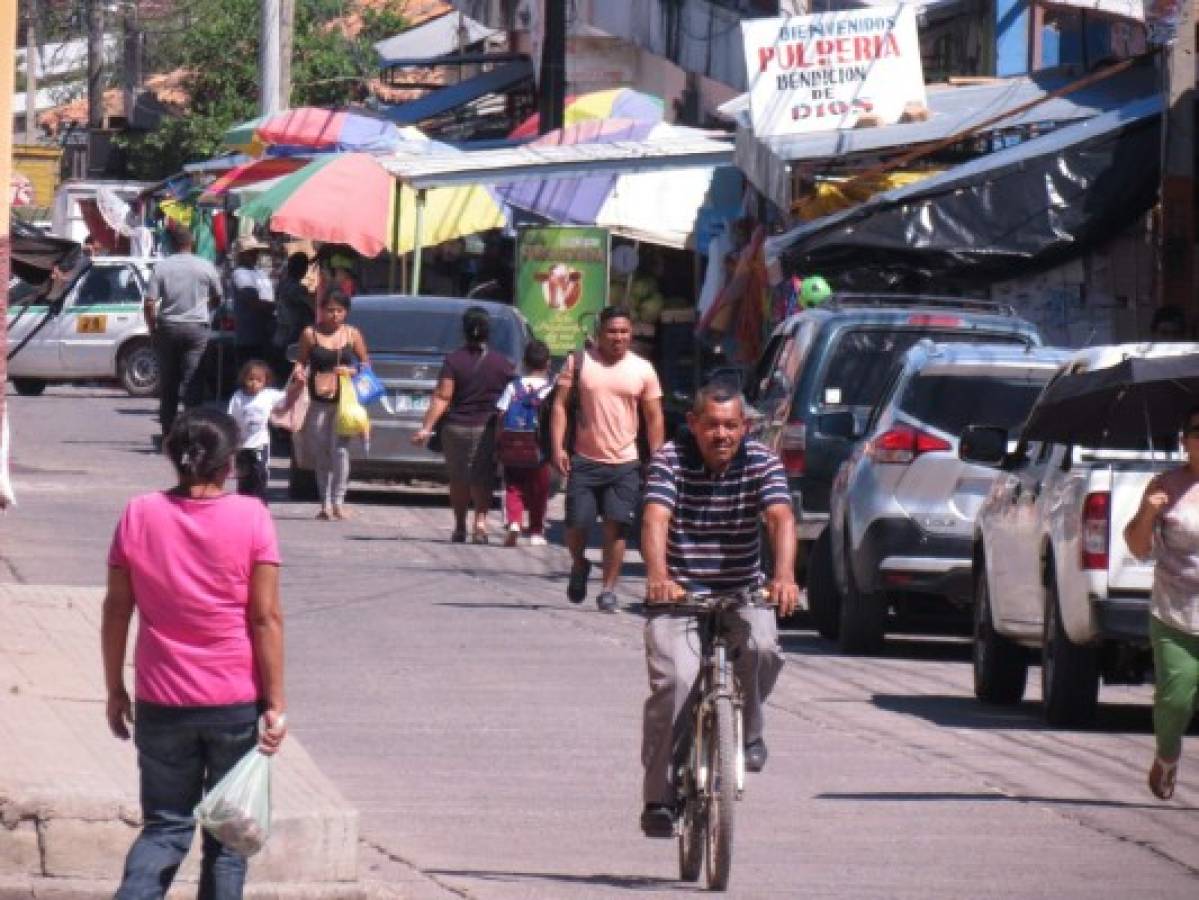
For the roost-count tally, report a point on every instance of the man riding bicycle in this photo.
(708, 493)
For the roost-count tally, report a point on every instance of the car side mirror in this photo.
(983, 445)
(842, 424)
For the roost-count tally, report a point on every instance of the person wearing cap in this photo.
(336, 274)
(253, 302)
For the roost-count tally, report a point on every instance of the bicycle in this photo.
(711, 776)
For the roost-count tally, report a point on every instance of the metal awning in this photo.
(1020, 209)
(547, 162)
(767, 162)
(1133, 10)
(436, 38)
(443, 100)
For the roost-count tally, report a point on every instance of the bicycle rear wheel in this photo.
(722, 776)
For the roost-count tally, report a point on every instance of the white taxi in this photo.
(96, 331)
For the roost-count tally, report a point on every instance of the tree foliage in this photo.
(217, 44)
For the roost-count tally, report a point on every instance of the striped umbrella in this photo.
(309, 129)
(617, 103)
(349, 198)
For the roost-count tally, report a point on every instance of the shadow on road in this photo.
(920, 649)
(628, 882)
(950, 797)
(966, 712)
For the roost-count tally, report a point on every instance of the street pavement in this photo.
(488, 731)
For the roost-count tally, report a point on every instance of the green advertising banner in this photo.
(562, 282)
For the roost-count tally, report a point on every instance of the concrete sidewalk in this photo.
(68, 790)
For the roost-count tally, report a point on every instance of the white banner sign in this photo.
(829, 71)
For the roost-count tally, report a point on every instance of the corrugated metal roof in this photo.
(766, 161)
(520, 163)
(438, 37)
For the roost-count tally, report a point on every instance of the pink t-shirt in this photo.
(609, 397)
(190, 563)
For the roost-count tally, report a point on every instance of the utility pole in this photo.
(287, 39)
(552, 100)
(33, 62)
(95, 64)
(268, 59)
(1177, 242)
(132, 47)
(95, 85)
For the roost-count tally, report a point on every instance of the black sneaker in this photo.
(576, 588)
(657, 820)
(607, 602)
(755, 756)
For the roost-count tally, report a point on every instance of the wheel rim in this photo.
(142, 368)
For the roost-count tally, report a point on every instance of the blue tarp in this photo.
(445, 99)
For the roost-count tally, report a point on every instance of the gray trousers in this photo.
(179, 348)
(672, 656)
(329, 453)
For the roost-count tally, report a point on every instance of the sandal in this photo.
(458, 536)
(479, 537)
(1162, 776)
(323, 515)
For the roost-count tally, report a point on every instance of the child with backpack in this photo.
(520, 447)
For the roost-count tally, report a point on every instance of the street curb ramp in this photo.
(69, 806)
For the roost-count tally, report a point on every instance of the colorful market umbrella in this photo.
(617, 103)
(662, 207)
(309, 129)
(254, 172)
(349, 198)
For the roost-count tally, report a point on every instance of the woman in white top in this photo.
(1167, 527)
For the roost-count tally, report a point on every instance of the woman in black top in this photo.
(471, 381)
(327, 350)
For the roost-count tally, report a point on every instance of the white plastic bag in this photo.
(237, 812)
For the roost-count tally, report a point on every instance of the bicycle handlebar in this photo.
(699, 603)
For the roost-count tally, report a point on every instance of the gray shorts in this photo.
(612, 490)
(470, 453)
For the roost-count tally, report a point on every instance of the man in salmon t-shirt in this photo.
(602, 467)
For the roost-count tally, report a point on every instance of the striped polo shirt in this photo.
(713, 542)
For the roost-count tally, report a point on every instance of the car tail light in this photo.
(936, 321)
(793, 445)
(1096, 525)
(902, 444)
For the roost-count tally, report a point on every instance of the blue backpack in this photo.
(519, 445)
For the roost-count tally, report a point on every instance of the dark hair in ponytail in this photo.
(476, 325)
(201, 443)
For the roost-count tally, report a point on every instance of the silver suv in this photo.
(902, 506)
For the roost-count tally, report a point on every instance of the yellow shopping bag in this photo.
(352, 417)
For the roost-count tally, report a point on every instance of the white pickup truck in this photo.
(1051, 570)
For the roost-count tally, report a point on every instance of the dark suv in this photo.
(822, 363)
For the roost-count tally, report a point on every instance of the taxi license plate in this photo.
(411, 403)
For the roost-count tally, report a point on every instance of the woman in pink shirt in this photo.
(201, 567)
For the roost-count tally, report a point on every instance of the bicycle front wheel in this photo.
(722, 781)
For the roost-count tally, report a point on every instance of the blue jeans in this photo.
(180, 757)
